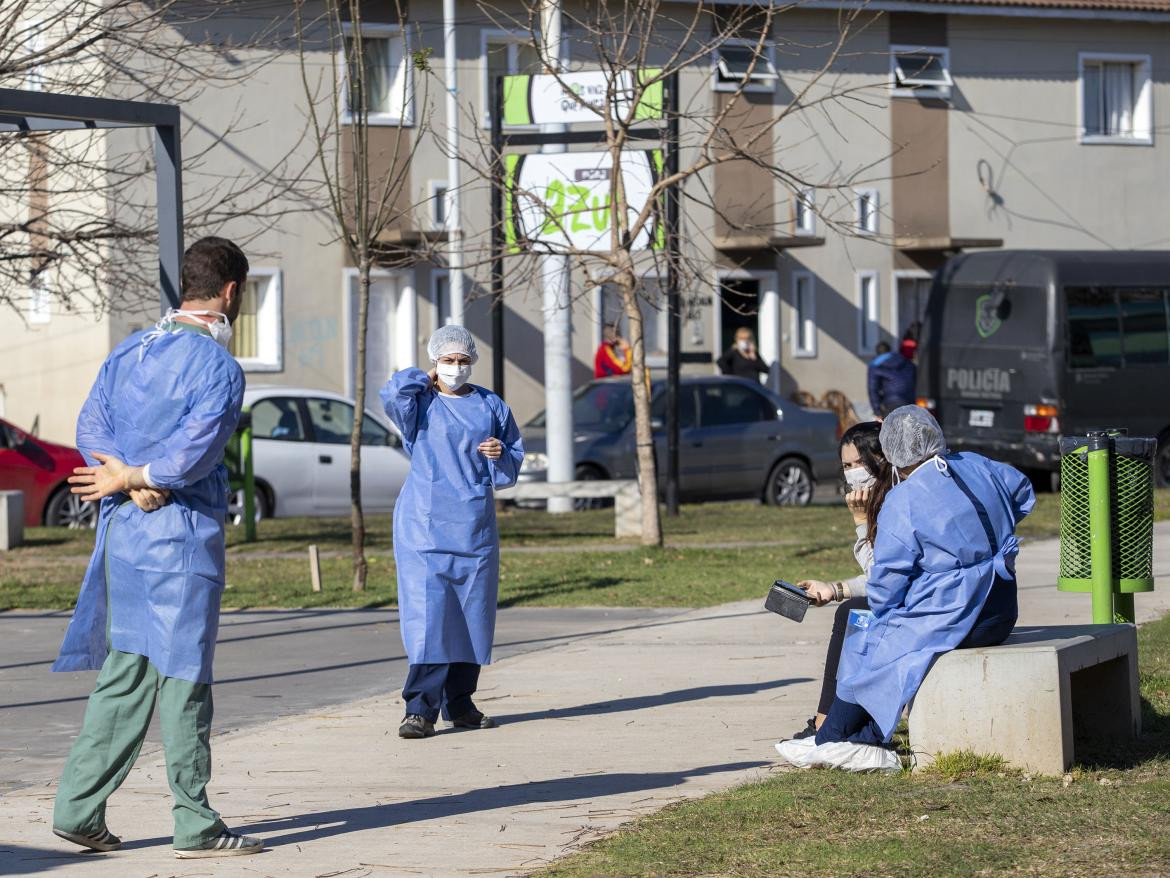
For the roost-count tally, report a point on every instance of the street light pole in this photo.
(452, 221)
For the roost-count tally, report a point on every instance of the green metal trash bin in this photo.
(1107, 520)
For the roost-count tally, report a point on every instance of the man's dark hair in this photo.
(882, 347)
(210, 263)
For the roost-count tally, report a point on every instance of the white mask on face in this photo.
(743, 344)
(452, 375)
(858, 477)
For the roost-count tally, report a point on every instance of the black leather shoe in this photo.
(473, 719)
(415, 726)
(808, 731)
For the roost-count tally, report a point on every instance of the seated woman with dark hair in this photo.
(867, 478)
(943, 578)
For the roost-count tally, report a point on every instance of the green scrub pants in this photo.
(116, 720)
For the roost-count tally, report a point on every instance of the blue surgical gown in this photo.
(154, 582)
(933, 567)
(446, 547)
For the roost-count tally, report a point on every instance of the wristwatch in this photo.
(838, 591)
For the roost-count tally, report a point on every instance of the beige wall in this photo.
(1013, 115)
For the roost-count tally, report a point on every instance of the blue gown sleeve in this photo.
(203, 432)
(894, 563)
(95, 430)
(505, 470)
(1019, 486)
(400, 400)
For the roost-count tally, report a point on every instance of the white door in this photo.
(281, 454)
(380, 335)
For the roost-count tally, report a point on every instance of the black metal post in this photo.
(169, 187)
(497, 244)
(674, 310)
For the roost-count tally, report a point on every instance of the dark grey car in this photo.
(736, 439)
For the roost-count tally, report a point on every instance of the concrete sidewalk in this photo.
(593, 733)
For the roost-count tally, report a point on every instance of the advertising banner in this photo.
(562, 200)
(573, 98)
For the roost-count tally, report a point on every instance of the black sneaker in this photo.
(808, 731)
(226, 844)
(415, 726)
(104, 841)
(473, 719)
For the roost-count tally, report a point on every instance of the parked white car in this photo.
(300, 454)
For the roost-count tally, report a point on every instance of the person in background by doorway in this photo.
(908, 347)
(891, 381)
(614, 356)
(742, 359)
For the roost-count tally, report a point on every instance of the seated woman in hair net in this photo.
(943, 578)
(463, 445)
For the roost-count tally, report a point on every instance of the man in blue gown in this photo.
(463, 444)
(943, 578)
(153, 430)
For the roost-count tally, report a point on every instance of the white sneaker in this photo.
(856, 757)
(798, 751)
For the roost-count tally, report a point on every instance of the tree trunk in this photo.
(358, 519)
(643, 431)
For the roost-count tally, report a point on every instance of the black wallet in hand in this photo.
(787, 600)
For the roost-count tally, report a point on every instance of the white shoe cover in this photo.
(805, 753)
(798, 751)
(856, 757)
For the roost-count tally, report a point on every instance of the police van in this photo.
(1021, 347)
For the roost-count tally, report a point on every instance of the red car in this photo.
(40, 470)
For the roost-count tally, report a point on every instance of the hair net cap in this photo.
(451, 339)
(911, 435)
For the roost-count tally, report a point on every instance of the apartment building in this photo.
(940, 127)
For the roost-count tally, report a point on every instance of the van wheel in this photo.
(1162, 461)
(789, 484)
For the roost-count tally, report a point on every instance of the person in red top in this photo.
(613, 355)
(908, 347)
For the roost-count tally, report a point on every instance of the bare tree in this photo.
(640, 47)
(364, 170)
(78, 222)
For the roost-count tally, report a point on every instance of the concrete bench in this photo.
(627, 504)
(1030, 698)
(11, 519)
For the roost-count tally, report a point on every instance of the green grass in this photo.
(716, 552)
(968, 816)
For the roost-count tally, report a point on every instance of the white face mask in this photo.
(220, 329)
(858, 477)
(452, 375)
(743, 344)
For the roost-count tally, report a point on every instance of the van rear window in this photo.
(1012, 317)
(1111, 327)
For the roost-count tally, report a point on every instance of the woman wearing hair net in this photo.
(943, 578)
(463, 444)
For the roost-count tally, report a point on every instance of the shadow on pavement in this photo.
(660, 699)
(323, 824)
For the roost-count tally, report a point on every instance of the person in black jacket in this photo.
(742, 360)
(891, 381)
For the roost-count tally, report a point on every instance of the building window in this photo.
(734, 69)
(804, 314)
(441, 297)
(867, 212)
(804, 208)
(38, 311)
(1115, 100)
(504, 53)
(438, 199)
(256, 335)
(920, 71)
(868, 312)
(384, 89)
